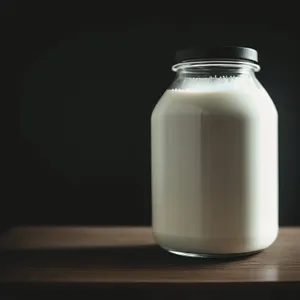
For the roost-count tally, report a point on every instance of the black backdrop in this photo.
(81, 83)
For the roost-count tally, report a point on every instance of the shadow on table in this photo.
(120, 257)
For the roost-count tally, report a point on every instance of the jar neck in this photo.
(216, 68)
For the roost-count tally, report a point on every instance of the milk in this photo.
(214, 168)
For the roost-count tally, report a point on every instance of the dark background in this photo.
(80, 84)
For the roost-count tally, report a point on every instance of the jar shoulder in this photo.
(248, 103)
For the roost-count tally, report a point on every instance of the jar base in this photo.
(212, 255)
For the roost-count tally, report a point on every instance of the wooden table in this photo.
(126, 259)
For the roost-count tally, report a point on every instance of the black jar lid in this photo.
(217, 52)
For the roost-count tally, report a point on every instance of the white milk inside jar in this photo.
(215, 157)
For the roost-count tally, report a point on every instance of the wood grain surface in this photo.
(128, 255)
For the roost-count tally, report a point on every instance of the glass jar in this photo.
(215, 157)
